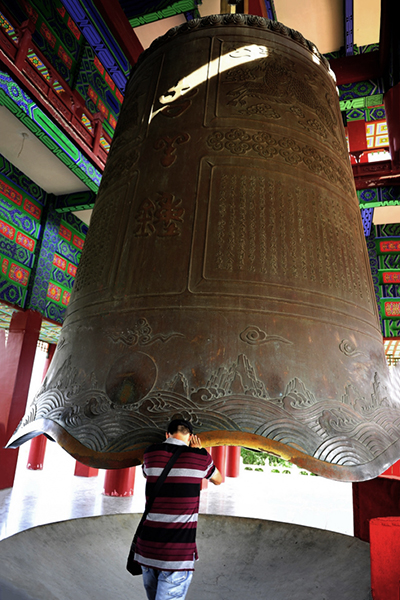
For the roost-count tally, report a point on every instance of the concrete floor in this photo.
(82, 559)
(261, 551)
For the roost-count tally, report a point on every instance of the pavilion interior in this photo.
(64, 66)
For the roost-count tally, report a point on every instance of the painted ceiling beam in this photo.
(349, 27)
(74, 202)
(270, 8)
(96, 33)
(358, 67)
(120, 27)
(173, 8)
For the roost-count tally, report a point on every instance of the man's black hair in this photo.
(174, 425)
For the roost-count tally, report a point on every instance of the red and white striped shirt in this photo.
(167, 540)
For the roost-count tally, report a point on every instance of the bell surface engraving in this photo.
(225, 277)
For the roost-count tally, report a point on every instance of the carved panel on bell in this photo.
(258, 82)
(106, 233)
(176, 97)
(157, 240)
(271, 230)
(132, 125)
(284, 149)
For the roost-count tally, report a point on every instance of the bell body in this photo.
(225, 277)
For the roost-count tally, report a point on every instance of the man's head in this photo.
(180, 429)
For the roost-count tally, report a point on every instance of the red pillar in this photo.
(374, 498)
(38, 444)
(392, 107)
(357, 138)
(16, 359)
(385, 552)
(82, 470)
(233, 461)
(119, 482)
(218, 454)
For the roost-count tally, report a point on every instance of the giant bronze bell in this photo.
(225, 276)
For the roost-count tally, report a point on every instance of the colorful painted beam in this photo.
(118, 23)
(363, 102)
(390, 308)
(97, 34)
(177, 8)
(387, 245)
(28, 112)
(384, 196)
(388, 277)
(73, 202)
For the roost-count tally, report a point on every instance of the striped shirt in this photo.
(167, 540)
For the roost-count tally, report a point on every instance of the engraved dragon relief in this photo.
(275, 80)
(346, 431)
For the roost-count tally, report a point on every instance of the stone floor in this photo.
(84, 559)
(55, 494)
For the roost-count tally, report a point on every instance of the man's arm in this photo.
(216, 477)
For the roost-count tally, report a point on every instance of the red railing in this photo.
(66, 106)
(376, 174)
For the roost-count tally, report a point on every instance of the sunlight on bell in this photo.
(221, 64)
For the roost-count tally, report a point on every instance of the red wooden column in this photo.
(357, 138)
(392, 107)
(218, 454)
(385, 552)
(38, 444)
(82, 470)
(119, 482)
(16, 360)
(233, 461)
(375, 498)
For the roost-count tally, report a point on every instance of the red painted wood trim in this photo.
(359, 67)
(61, 107)
(377, 174)
(120, 27)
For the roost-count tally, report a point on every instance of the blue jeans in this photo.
(163, 585)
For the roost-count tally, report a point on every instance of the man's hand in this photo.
(195, 442)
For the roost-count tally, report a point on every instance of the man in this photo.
(166, 546)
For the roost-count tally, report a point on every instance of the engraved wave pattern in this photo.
(334, 431)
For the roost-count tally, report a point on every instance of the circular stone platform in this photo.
(239, 558)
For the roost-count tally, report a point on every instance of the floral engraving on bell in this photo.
(169, 143)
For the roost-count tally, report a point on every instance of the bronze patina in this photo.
(225, 276)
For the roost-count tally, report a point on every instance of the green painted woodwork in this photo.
(389, 276)
(364, 102)
(49, 332)
(55, 132)
(53, 138)
(77, 201)
(390, 308)
(177, 8)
